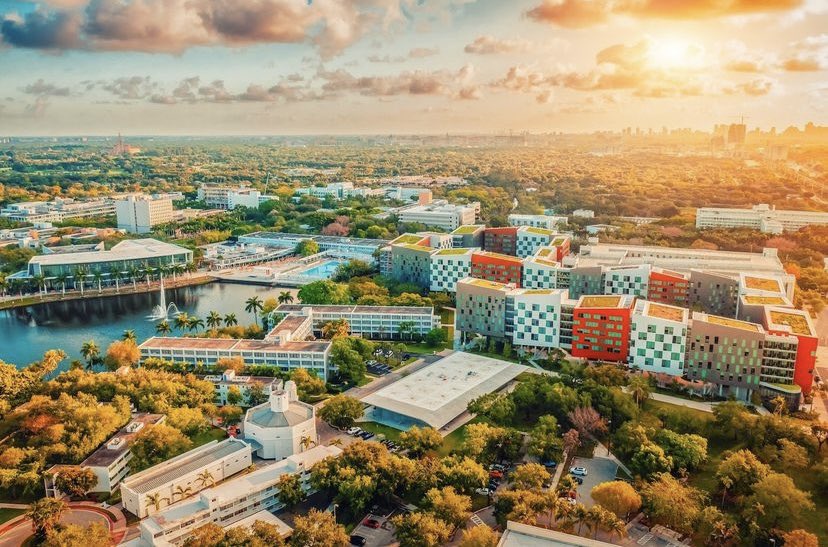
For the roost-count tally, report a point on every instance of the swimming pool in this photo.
(323, 269)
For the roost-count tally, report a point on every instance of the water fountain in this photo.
(161, 312)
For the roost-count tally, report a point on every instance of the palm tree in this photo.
(406, 327)
(61, 278)
(40, 281)
(285, 297)
(195, 323)
(45, 515)
(117, 275)
(595, 519)
(182, 491)
(4, 284)
(580, 514)
(182, 321)
(561, 510)
(191, 268)
(148, 271)
(162, 270)
(79, 276)
(306, 442)
(230, 320)
(176, 270)
(129, 335)
(205, 478)
(163, 327)
(97, 275)
(639, 388)
(134, 272)
(254, 305)
(155, 500)
(90, 352)
(213, 319)
(614, 525)
(336, 441)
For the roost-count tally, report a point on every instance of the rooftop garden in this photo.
(765, 300)
(733, 323)
(762, 284)
(467, 229)
(600, 301)
(796, 321)
(408, 238)
(457, 251)
(670, 313)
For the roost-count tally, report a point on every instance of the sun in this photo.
(670, 53)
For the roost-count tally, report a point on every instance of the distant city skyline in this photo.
(283, 67)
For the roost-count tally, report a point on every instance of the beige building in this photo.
(140, 213)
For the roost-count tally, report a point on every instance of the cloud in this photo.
(43, 89)
(440, 82)
(131, 87)
(422, 52)
(385, 59)
(42, 29)
(807, 55)
(37, 109)
(584, 13)
(489, 45)
(801, 64)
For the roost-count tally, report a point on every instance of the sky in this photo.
(280, 67)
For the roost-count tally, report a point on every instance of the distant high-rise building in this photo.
(736, 133)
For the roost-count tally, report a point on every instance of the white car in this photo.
(580, 471)
(354, 431)
(483, 491)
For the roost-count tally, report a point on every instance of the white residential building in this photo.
(632, 280)
(530, 239)
(658, 337)
(762, 217)
(536, 319)
(368, 321)
(58, 210)
(231, 501)
(139, 213)
(583, 213)
(228, 380)
(336, 190)
(282, 426)
(448, 266)
(440, 214)
(157, 487)
(547, 222)
(542, 273)
(219, 196)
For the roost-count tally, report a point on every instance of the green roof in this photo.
(785, 388)
(411, 247)
(539, 231)
(468, 229)
(458, 251)
(409, 238)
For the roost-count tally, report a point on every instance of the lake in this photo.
(26, 333)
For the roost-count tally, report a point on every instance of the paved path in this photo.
(17, 530)
(679, 401)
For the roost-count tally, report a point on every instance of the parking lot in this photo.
(598, 470)
(376, 537)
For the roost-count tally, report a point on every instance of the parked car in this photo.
(550, 464)
(482, 491)
(353, 430)
(577, 479)
(581, 471)
(358, 540)
(366, 435)
(495, 474)
(371, 523)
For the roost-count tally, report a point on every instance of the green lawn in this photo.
(212, 434)
(8, 514)
(390, 433)
(421, 349)
(454, 439)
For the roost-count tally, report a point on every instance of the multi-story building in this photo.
(469, 236)
(557, 249)
(567, 320)
(157, 487)
(437, 240)
(633, 280)
(669, 287)
(585, 280)
(762, 217)
(348, 247)
(122, 257)
(218, 196)
(139, 213)
(798, 324)
(110, 462)
(229, 380)
(530, 239)
(58, 210)
(547, 222)
(411, 263)
(714, 293)
(658, 337)
(231, 501)
(440, 214)
(726, 353)
(481, 308)
(282, 426)
(448, 266)
(543, 273)
(752, 306)
(583, 213)
(601, 327)
(501, 240)
(336, 190)
(533, 317)
(497, 267)
(376, 322)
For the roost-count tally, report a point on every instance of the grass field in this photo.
(379, 429)
(8, 514)
(212, 434)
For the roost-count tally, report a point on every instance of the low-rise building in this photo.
(658, 337)
(763, 217)
(232, 501)
(583, 213)
(440, 214)
(58, 210)
(219, 196)
(184, 475)
(229, 380)
(282, 426)
(601, 328)
(375, 322)
(547, 222)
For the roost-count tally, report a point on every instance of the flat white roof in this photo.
(264, 516)
(438, 393)
(524, 535)
(131, 249)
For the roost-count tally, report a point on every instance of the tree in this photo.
(188, 420)
(478, 536)
(234, 396)
(530, 476)
(129, 336)
(75, 481)
(182, 492)
(341, 411)
(800, 538)
(45, 515)
(324, 292)
(209, 535)
(336, 328)
(285, 297)
(464, 474)
(156, 444)
(776, 502)
(418, 440)
(122, 353)
(739, 471)
(236, 364)
(350, 363)
(820, 433)
(163, 328)
(587, 421)
(670, 502)
(230, 320)
(686, 451)
(195, 323)
(206, 479)
(546, 442)
(639, 388)
(307, 383)
(230, 414)
(291, 492)
(436, 337)
(618, 497)
(254, 305)
(318, 529)
(307, 247)
(182, 321)
(649, 460)
(448, 505)
(213, 320)
(73, 535)
(571, 440)
(421, 529)
(90, 352)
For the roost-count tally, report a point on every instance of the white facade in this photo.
(547, 222)
(530, 239)
(281, 427)
(336, 190)
(759, 217)
(448, 267)
(190, 472)
(440, 215)
(228, 380)
(230, 502)
(247, 197)
(369, 321)
(632, 280)
(537, 317)
(540, 273)
(658, 337)
(138, 214)
(583, 213)
(57, 210)
(229, 197)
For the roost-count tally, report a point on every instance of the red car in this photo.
(496, 474)
(371, 523)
